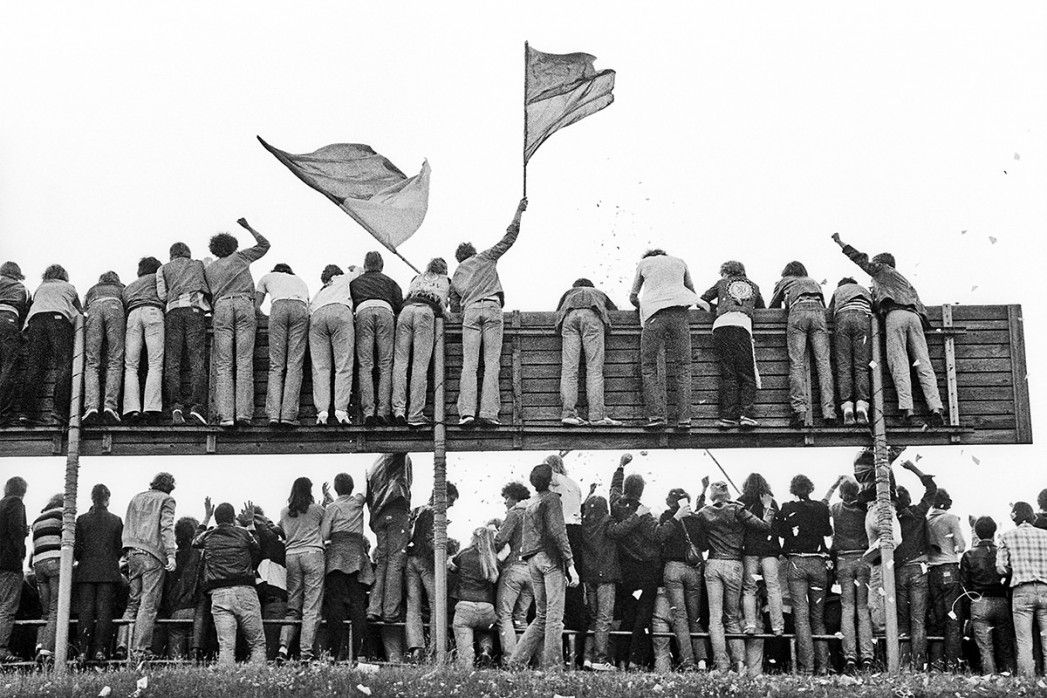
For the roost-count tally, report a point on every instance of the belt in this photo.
(235, 296)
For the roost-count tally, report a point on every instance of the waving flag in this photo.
(560, 90)
(387, 203)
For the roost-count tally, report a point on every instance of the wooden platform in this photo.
(978, 354)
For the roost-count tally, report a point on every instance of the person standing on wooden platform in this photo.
(377, 300)
(427, 299)
(144, 329)
(288, 334)
(14, 306)
(332, 343)
(105, 325)
(905, 319)
(667, 294)
(476, 292)
(851, 307)
(583, 322)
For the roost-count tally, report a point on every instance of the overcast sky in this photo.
(739, 131)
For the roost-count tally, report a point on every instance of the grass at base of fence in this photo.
(409, 682)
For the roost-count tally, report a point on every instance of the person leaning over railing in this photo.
(851, 306)
(332, 343)
(14, 306)
(105, 324)
(427, 299)
(288, 334)
(583, 322)
(376, 300)
(145, 327)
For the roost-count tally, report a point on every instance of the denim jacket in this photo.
(149, 524)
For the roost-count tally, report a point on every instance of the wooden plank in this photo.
(517, 378)
(1023, 421)
(950, 369)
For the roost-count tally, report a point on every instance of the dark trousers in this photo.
(944, 588)
(94, 622)
(734, 350)
(344, 596)
(851, 336)
(185, 330)
(50, 340)
(10, 355)
(668, 328)
(637, 618)
(576, 611)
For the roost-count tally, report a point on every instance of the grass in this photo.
(412, 682)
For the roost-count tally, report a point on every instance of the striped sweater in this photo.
(47, 535)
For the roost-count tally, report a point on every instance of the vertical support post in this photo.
(72, 475)
(439, 620)
(517, 381)
(950, 372)
(884, 507)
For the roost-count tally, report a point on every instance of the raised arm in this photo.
(832, 490)
(618, 479)
(261, 244)
(511, 233)
(859, 258)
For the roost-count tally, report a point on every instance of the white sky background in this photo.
(748, 132)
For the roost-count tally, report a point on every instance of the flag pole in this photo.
(526, 52)
(710, 454)
(405, 260)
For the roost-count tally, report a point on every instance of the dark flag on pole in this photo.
(560, 89)
(387, 203)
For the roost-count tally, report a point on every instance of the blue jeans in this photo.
(683, 587)
(390, 558)
(723, 582)
(288, 329)
(910, 583)
(549, 582)
(104, 326)
(734, 352)
(332, 340)
(234, 329)
(10, 596)
(305, 590)
(661, 623)
(50, 338)
(234, 607)
(415, 334)
(94, 622)
(481, 324)
(599, 597)
(470, 616)
(807, 326)
(1029, 602)
(514, 594)
(669, 327)
(906, 345)
(185, 332)
(767, 567)
(419, 580)
(807, 581)
(853, 574)
(145, 575)
(145, 327)
(375, 331)
(993, 631)
(851, 336)
(47, 587)
(944, 590)
(583, 333)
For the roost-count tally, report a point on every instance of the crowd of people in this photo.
(746, 568)
(361, 321)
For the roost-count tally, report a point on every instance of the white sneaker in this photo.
(606, 422)
(342, 417)
(573, 421)
(587, 665)
(321, 418)
(603, 666)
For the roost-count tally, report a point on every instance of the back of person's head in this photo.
(718, 491)
(109, 277)
(464, 252)
(55, 502)
(583, 283)
(55, 271)
(675, 495)
(846, 280)
(516, 491)
(942, 500)
(556, 463)
(849, 489)
(282, 268)
(903, 500)
(224, 513)
(541, 476)
(483, 541)
(634, 485)
(185, 531)
(794, 268)
(732, 268)
(15, 487)
(985, 528)
(453, 546)
(11, 270)
(1041, 500)
(163, 481)
(437, 265)
(180, 249)
(755, 486)
(452, 494)
(801, 486)
(329, 272)
(655, 252)
(100, 495)
(373, 261)
(148, 265)
(301, 497)
(594, 508)
(1021, 512)
(343, 484)
(223, 245)
(885, 258)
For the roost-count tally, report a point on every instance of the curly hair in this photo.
(223, 244)
(732, 268)
(148, 265)
(437, 265)
(464, 251)
(185, 531)
(755, 486)
(517, 491)
(165, 482)
(885, 258)
(329, 272)
(801, 486)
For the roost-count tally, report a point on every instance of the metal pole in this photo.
(439, 498)
(72, 474)
(884, 506)
(526, 56)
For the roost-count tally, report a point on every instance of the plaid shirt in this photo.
(1023, 550)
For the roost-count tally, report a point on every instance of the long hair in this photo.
(301, 497)
(755, 486)
(483, 541)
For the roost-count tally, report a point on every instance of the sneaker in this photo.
(306, 657)
(829, 420)
(111, 416)
(606, 422)
(370, 421)
(747, 422)
(587, 665)
(321, 418)
(90, 417)
(275, 423)
(177, 417)
(750, 630)
(725, 423)
(573, 422)
(281, 655)
(400, 420)
(937, 418)
(654, 423)
(848, 418)
(850, 668)
(43, 656)
(867, 666)
(797, 420)
(485, 661)
(420, 423)
(227, 424)
(467, 421)
(197, 418)
(131, 417)
(342, 417)
(490, 422)
(702, 666)
(683, 425)
(603, 666)
(120, 654)
(243, 422)
(862, 417)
